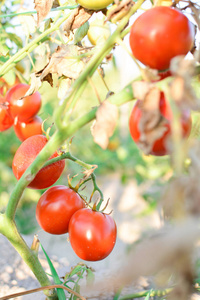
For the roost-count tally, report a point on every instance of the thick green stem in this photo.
(93, 64)
(8, 228)
(54, 143)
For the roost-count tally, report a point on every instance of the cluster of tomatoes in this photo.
(20, 111)
(92, 234)
(157, 36)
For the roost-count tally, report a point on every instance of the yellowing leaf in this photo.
(43, 7)
(65, 62)
(104, 125)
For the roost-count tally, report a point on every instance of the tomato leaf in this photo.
(65, 61)
(77, 18)
(61, 294)
(43, 7)
(81, 33)
(27, 22)
(105, 123)
(90, 276)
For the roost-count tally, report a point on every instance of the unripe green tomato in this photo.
(94, 4)
(98, 31)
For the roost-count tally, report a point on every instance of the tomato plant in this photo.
(92, 234)
(22, 107)
(160, 34)
(94, 5)
(159, 147)
(25, 155)
(55, 208)
(98, 31)
(6, 121)
(23, 130)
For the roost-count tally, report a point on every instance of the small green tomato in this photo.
(98, 32)
(94, 4)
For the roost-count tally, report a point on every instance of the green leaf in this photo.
(16, 39)
(61, 294)
(4, 50)
(148, 295)
(90, 276)
(81, 32)
(76, 270)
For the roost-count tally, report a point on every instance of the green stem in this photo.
(35, 12)
(93, 64)
(53, 144)
(8, 228)
(154, 293)
(10, 63)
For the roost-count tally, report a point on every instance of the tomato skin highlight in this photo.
(160, 34)
(55, 208)
(24, 130)
(92, 234)
(26, 154)
(94, 4)
(159, 147)
(24, 108)
(6, 121)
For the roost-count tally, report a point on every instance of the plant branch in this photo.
(54, 286)
(10, 63)
(8, 228)
(35, 12)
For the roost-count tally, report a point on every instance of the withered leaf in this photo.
(77, 18)
(65, 62)
(140, 89)
(118, 12)
(152, 125)
(104, 125)
(42, 7)
(181, 88)
(35, 85)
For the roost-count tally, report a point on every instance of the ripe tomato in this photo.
(92, 234)
(55, 208)
(26, 154)
(24, 130)
(160, 34)
(6, 121)
(98, 31)
(94, 5)
(23, 108)
(159, 147)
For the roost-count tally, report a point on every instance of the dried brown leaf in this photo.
(65, 62)
(117, 13)
(152, 125)
(105, 123)
(77, 18)
(140, 89)
(181, 87)
(42, 7)
(35, 85)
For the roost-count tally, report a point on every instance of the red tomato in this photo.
(26, 154)
(6, 121)
(92, 234)
(23, 108)
(24, 130)
(160, 34)
(159, 146)
(55, 208)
